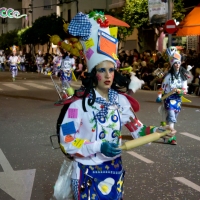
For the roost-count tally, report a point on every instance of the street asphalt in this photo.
(29, 166)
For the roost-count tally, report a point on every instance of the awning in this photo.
(116, 22)
(190, 24)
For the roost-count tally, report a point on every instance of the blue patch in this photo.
(68, 128)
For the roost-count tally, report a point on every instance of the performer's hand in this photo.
(158, 100)
(110, 149)
(163, 128)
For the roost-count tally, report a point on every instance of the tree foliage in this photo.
(47, 25)
(37, 34)
(135, 13)
(9, 39)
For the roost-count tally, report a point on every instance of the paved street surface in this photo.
(29, 166)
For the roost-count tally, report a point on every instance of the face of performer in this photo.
(105, 75)
(177, 66)
(20, 53)
(14, 53)
(40, 53)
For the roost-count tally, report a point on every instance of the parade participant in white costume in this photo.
(176, 81)
(91, 129)
(57, 62)
(13, 61)
(2, 61)
(66, 69)
(39, 61)
(22, 60)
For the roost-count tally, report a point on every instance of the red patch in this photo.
(68, 138)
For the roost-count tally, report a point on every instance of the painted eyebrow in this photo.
(103, 69)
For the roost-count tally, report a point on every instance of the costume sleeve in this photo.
(163, 87)
(71, 141)
(132, 123)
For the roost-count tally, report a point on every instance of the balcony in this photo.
(117, 4)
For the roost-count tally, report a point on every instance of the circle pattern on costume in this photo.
(114, 134)
(102, 120)
(102, 135)
(114, 118)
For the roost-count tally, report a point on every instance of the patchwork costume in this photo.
(14, 60)
(96, 176)
(172, 104)
(57, 64)
(39, 62)
(22, 60)
(2, 61)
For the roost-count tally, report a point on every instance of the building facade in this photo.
(68, 8)
(8, 24)
(37, 8)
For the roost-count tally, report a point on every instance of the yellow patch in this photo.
(89, 43)
(78, 143)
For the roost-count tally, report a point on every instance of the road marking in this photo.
(188, 183)
(14, 86)
(191, 136)
(18, 184)
(38, 86)
(50, 84)
(140, 157)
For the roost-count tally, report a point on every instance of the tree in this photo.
(9, 39)
(135, 13)
(47, 25)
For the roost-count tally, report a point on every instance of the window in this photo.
(69, 15)
(4, 20)
(47, 4)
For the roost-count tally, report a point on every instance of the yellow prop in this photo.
(128, 69)
(73, 76)
(143, 140)
(184, 100)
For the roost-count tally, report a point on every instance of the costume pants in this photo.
(171, 116)
(14, 70)
(2, 67)
(22, 67)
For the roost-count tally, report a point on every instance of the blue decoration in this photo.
(102, 135)
(114, 118)
(102, 120)
(68, 128)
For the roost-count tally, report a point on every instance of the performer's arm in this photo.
(132, 123)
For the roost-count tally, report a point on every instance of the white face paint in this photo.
(177, 66)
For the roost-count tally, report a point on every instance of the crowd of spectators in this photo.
(151, 66)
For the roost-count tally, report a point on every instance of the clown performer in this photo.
(14, 60)
(175, 82)
(66, 77)
(2, 61)
(39, 62)
(57, 60)
(91, 129)
(22, 60)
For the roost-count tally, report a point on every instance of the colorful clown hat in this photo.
(174, 56)
(98, 44)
